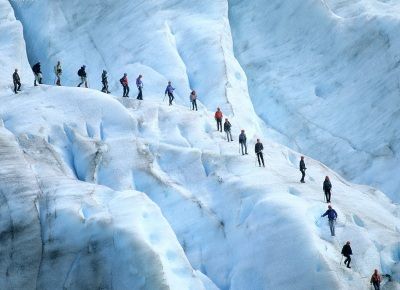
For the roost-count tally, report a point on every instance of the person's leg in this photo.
(40, 78)
(332, 227)
(376, 286)
(36, 80)
(262, 159)
(258, 158)
(15, 87)
(303, 174)
(230, 133)
(329, 196)
(139, 96)
(241, 145)
(170, 98)
(227, 135)
(195, 104)
(124, 91)
(245, 147)
(19, 86)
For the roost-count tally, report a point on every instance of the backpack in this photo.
(121, 81)
(80, 72)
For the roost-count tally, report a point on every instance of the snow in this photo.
(324, 74)
(103, 192)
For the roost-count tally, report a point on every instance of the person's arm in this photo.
(262, 147)
(324, 214)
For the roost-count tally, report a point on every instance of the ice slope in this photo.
(12, 48)
(325, 74)
(60, 233)
(242, 226)
(186, 42)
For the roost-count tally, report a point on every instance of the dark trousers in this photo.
(194, 105)
(105, 87)
(377, 285)
(17, 86)
(328, 195)
(126, 91)
(347, 261)
(260, 156)
(219, 125)
(58, 81)
(140, 94)
(303, 174)
(171, 98)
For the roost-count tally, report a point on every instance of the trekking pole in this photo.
(164, 98)
(341, 261)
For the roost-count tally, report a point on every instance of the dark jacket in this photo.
(36, 68)
(82, 72)
(327, 185)
(258, 147)
(242, 138)
(346, 251)
(104, 77)
(169, 89)
(302, 165)
(331, 213)
(227, 126)
(16, 78)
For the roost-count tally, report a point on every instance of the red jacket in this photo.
(124, 81)
(218, 115)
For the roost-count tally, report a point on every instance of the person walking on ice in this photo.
(376, 280)
(258, 148)
(125, 85)
(227, 129)
(38, 74)
(82, 74)
(332, 216)
(218, 117)
(243, 141)
(104, 81)
(170, 91)
(327, 186)
(193, 100)
(16, 81)
(139, 85)
(346, 252)
(302, 169)
(58, 72)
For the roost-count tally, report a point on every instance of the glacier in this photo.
(103, 192)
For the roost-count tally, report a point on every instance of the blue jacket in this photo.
(169, 89)
(331, 213)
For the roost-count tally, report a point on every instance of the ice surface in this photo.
(325, 74)
(100, 192)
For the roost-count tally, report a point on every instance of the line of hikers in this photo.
(258, 147)
(36, 68)
(332, 215)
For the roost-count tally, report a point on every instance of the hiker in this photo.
(376, 280)
(170, 91)
(258, 148)
(104, 81)
(58, 72)
(218, 117)
(139, 85)
(83, 76)
(332, 216)
(16, 81)
(346, 251)
(38, 74)
(242, 141)
(193, 99)
(327, 189)
(125, 85)
(302, 169)
(227, 129)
